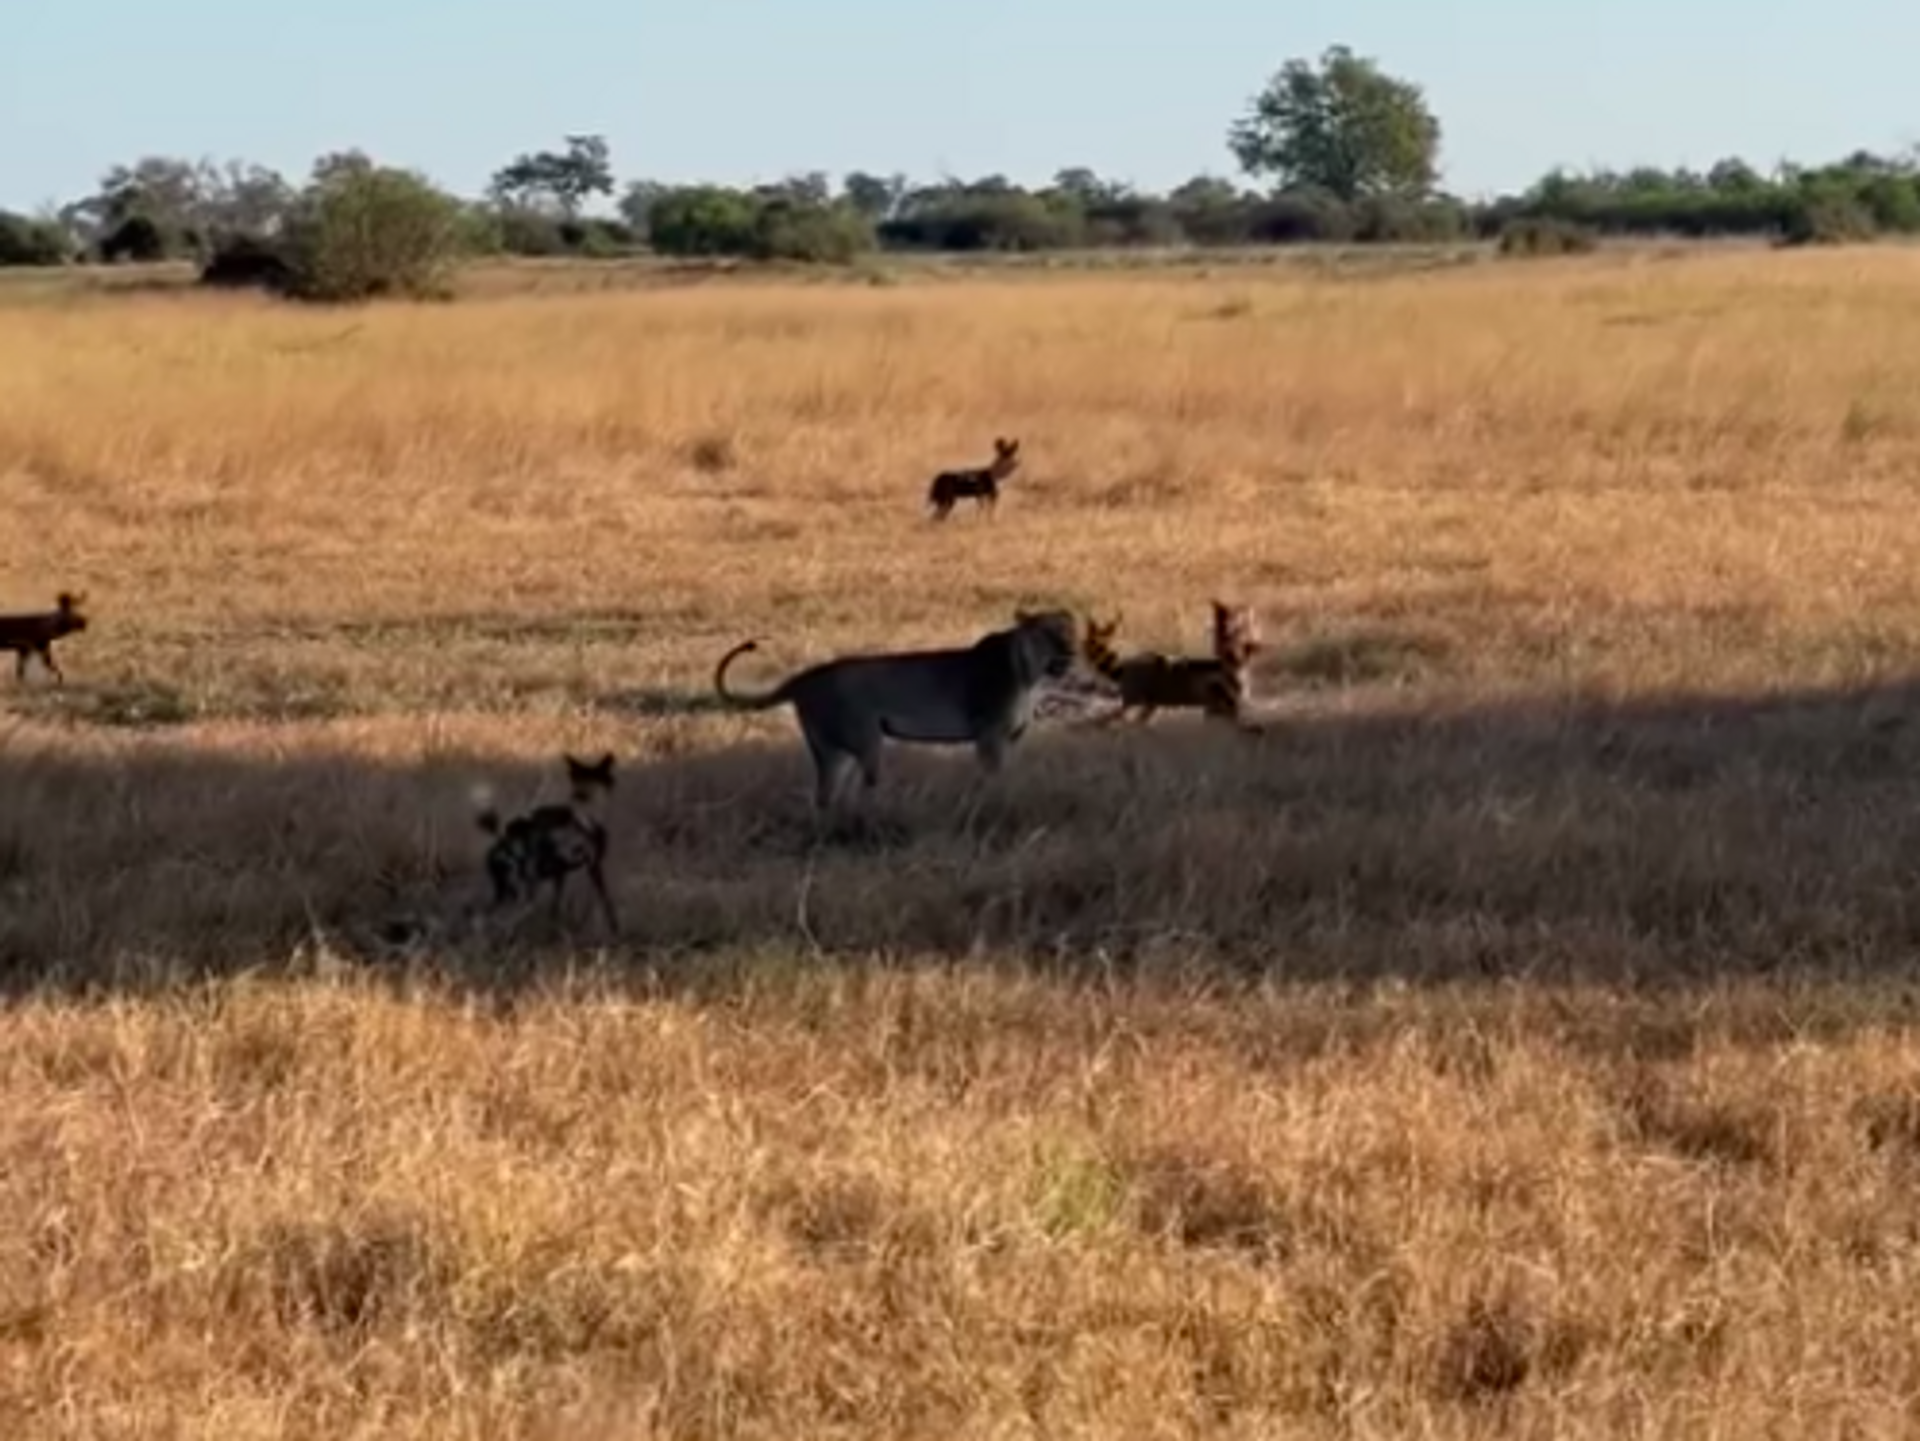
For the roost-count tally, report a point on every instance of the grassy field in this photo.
(1515, 1039)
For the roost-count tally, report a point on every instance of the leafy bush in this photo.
(244, 261)
(517, 230)
(1132, 220)
(1006, 220)
(1214, 220)
(1395, 220)
(1536, 235)
(1828, 215)
(363, 232)
(138, 238)
(596, 239)
(702, 220)
(818, 234)
(710, 220)
(1893, 203)
(1301, 216)
(512, 230)
(25, 241)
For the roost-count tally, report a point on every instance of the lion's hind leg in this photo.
(838, 751)
(830, 767)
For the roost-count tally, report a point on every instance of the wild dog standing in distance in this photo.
(981, 694)
(549, 843)
(982, 485)
(1150, 682)
(34, 634)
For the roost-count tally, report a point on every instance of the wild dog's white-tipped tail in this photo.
(484, 813)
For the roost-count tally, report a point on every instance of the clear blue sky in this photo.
(744, 90)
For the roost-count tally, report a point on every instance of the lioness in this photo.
(982, 695)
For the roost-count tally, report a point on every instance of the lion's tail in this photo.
(766, 700)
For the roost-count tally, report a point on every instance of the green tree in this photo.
(158, 203)
(1343, 126)
(340, 164)
(189, 206)
(1085, 187)
(811, 187)
(243, 199)
(636, 204)
(562, 178)
(1204, 192)
(1736, 176)
(876, 197)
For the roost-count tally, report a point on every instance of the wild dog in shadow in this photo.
(34, 634)
(546, 845)
(982, 486)
(1149, 682)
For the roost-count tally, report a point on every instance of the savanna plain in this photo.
(1515, 1038)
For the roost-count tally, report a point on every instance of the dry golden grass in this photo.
(1514, 1040)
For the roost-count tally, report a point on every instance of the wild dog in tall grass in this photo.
(982, 694)
(545, 846)
(982, 485)
(1150, 682)
(34, 634)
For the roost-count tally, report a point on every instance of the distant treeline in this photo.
(1339, 151)
(163, 209)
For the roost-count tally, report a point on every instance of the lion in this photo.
(981, 695)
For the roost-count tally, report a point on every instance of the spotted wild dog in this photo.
(982, 486)
(549, 843)
(1150, 682)
(34, 634)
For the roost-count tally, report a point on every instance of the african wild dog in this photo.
(982, 485)
(1149, 682)
(549, 843)
(34, 634)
